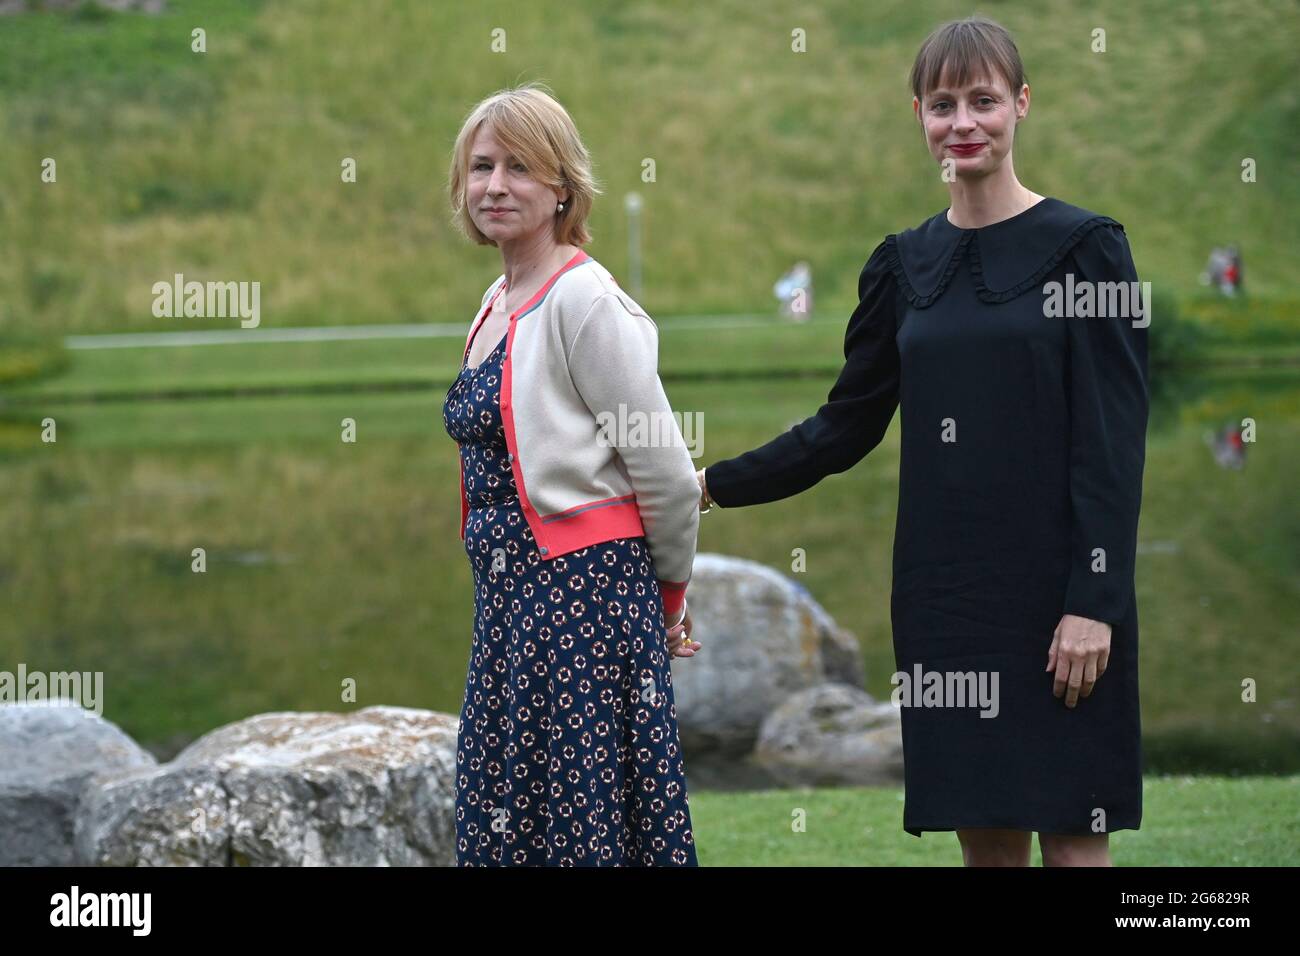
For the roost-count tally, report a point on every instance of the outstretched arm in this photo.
(853, 420)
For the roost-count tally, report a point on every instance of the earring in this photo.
(559, 207)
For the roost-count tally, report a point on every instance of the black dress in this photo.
(1020, 479)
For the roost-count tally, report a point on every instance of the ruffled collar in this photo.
(1007, 258)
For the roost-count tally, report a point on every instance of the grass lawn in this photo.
(1186, 821)
(750, 345)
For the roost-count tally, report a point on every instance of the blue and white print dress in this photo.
(567, 752)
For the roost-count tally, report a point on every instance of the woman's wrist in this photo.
(680, 617)
(706, 501)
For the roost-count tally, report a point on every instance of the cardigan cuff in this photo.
(674, 595)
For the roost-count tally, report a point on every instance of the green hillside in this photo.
(225, 165)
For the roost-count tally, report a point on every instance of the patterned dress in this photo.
(567, 751)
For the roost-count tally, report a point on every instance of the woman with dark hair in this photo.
(1008, 331)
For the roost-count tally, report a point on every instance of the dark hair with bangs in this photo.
(966, 50)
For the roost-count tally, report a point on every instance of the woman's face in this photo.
(504, 201)
(982, 114)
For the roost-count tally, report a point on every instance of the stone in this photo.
(369, 788)
(764, 638)
(832, 735)
(48, 752)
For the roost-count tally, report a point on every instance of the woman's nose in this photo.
(962, 118)
(496, 183)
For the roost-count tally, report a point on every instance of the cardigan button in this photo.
(510, 458)
(543, 551)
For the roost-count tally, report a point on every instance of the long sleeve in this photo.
(853, 420)
(614, 365)
(1108, 419)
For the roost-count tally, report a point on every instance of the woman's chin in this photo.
(496, 231)
(973, 168)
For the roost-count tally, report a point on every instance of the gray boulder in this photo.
(370, 788)
(764, 638)
(47, 753)
(832, 735)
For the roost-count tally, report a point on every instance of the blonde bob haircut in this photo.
(533, 126)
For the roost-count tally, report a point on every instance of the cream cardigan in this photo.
(578, 348)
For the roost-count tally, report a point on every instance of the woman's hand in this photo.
(705, 501)
(1079, 652)
(679, 635)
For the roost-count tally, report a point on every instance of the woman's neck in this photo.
(981, 202)
(529, 261)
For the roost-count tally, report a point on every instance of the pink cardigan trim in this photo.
(581, 525)
(507, 416)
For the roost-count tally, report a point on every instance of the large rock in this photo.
(47, 753)
(832, 735)
(764, 639)
(374, 787)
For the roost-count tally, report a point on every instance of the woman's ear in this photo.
(1022, 103)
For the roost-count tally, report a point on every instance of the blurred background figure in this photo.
(1233, 275)
(795, 293)
(1223, 271)
(1227, 445)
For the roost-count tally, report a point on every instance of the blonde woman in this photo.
(581, 547)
